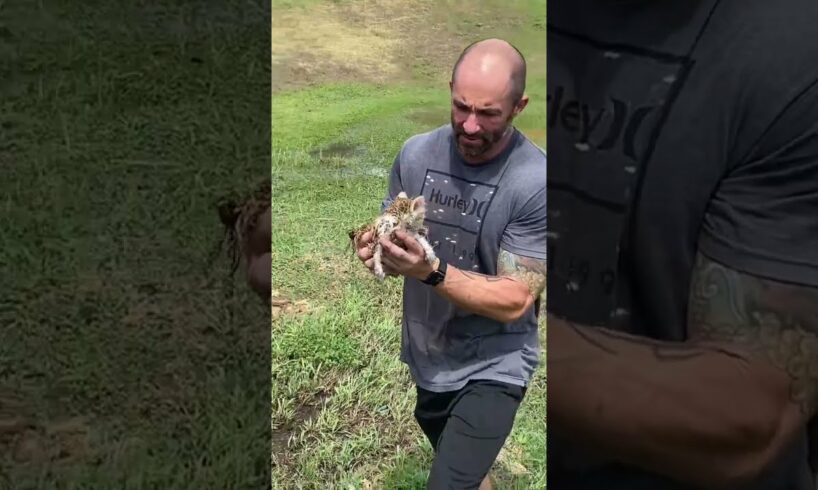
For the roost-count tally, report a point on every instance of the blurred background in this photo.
(129, 356)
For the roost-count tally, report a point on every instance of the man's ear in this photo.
(520, 105)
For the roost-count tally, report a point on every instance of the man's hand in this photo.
(409, 260)
(257, 258)
(364, 252)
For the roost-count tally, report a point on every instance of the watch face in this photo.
(437, 276)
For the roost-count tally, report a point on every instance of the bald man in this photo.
(469, 329)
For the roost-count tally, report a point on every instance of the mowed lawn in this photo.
(353, 81)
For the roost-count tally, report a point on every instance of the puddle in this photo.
(352, 173)
(376, 172)
(430, 117)
(337, 150)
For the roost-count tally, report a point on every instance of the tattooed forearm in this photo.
(484, 277)
(532, 272)
(775, 320)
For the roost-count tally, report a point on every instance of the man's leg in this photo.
(432, 411)
(480, 419)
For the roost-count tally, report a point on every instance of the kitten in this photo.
(403, 214)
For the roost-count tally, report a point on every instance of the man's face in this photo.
(482, 112)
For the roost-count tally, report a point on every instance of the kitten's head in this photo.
(410, 212)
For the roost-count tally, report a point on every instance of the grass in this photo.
(342, 401)
(128, 358)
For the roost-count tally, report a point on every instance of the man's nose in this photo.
(471, 126)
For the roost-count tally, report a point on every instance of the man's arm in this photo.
(505, 297)
(713, 411)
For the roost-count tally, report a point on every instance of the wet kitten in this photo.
(403, 214)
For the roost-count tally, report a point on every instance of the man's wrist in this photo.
(427, 269)
(435, 273)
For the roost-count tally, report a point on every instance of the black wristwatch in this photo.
(437, 276)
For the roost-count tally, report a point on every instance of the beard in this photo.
(478, 144)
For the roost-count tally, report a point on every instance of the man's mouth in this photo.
(470, 139)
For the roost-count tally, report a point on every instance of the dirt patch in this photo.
(285, 306)
(15, 420)
(377, 41)
(302, 52)
(506, 462)
(29, 441)
(305, 412)
(306, 69)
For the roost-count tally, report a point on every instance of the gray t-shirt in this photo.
(472, 212)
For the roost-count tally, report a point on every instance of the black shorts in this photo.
(467, 428)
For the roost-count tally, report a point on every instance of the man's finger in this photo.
(389, 270)
(362, 241)
(370, 263)
(393, 250)
(389, 263)
(364, 253)
(410, 243)
(365, 238)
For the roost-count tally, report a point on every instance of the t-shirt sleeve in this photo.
(763, 218)
(525, 235)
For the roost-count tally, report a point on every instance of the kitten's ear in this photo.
(418, 205)
(402, 195)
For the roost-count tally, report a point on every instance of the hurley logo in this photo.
(615, 124)
(467, 207)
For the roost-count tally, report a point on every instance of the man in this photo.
(469, 333)
(683, 245)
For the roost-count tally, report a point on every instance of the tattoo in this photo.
(532, 272)
(477, 275)
(776, 320)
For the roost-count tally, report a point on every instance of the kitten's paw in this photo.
(430, 258)
(378, 271)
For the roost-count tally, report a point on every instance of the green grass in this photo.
(115, 316)
(115, 146)
(342, 401)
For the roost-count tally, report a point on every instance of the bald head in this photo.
(494, 57)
